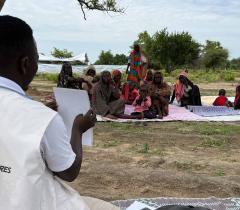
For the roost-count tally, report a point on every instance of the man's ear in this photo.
(23, 65)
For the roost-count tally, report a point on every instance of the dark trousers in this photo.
(146, 114)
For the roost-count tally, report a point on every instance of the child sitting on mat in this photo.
(222, 100)
(142, 104)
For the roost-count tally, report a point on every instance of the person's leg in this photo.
(117, 107)
(149, 114)
(157, 107)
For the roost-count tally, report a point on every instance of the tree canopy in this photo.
(169, 50)
(235, 63)
(107, 58)
(61, 53)
(214, 55)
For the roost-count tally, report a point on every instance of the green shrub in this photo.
(48, 76)
(229, 76)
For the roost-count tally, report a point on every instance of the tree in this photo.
(100, 5)
(235, 64)
(61, 53)
(214, 55)
(169, 50)
(105, 58)
(120, 59)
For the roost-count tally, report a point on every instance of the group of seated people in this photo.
(151, 100)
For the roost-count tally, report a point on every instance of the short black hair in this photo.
(15, 38)
(222, 92)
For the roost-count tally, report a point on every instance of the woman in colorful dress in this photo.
(135, 64)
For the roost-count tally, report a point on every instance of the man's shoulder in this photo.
(15, 100)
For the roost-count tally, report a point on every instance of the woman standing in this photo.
(136, 66)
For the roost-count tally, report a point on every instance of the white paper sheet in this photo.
(70, 104)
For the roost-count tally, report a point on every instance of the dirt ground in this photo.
(182, 159)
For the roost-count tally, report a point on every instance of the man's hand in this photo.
(52, 105)
(83, 123)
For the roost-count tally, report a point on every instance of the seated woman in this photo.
(106, 98)
(129, 92)
(66, 79)
(237, 98)
(143, 104)
(160, 93)
(117, 76)
(222, 100)
(89, 77)
(148, 78)
(186, 92)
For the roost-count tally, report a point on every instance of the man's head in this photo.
(158, 78)
(18, 51)
(106, 77)
(222, 92)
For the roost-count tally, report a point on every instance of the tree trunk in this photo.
(1, 4)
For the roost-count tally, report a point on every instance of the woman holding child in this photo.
(90, 78)
(186, 92)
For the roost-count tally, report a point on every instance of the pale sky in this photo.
(60, 23)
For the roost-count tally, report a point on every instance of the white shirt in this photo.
(55, 145)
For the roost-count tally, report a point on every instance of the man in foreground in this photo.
(35, 151)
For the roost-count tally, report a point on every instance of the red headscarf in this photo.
(116, 72)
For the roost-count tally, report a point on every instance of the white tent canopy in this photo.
(81, 57)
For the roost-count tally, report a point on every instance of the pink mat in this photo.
(175, 114)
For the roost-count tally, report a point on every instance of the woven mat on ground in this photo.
(212, 203)
(213, 111)
(176, 113)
